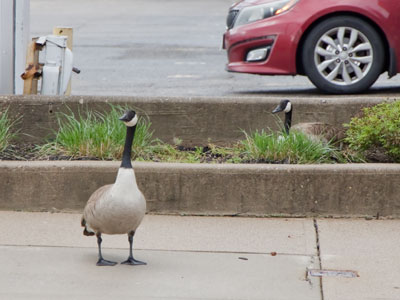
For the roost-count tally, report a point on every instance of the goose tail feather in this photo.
(86, 231)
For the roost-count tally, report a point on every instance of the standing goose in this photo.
(120, 207)
(316, 131)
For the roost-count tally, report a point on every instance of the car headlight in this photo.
(258, 12)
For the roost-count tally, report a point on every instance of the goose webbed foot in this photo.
(103, 262)
(133, 262)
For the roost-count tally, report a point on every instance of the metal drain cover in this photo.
(332, 273)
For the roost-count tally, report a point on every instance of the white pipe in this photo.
(6, 47)
(22, 34)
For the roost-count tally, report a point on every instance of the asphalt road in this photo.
(160, 48)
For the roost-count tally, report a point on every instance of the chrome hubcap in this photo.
(343, 55)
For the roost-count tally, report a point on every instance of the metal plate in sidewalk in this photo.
(332, 273)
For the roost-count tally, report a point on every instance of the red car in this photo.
(342, 46)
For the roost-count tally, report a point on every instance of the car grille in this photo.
(230, 20)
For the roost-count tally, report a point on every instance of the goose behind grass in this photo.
(316, 131)
(120, 207)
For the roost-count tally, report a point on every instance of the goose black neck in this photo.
(288, 121)
(126, 156)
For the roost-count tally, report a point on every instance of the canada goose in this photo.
(120, 207)
(316, 131)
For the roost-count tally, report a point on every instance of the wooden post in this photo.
(32, 67)
(68, 32)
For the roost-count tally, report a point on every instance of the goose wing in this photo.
(90, 208)
(321, 131)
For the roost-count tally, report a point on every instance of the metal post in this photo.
(14, 32)
(22, 33)
(7, 47)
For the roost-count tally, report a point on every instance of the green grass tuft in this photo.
(99, 135)
(6, 132)
(294, 148)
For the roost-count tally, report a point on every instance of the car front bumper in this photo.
(281, 34)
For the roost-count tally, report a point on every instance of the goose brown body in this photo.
(320, 131)
(116, 208)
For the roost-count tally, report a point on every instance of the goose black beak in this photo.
(124, 118)
(277, 109)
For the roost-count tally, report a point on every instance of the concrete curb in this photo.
(196, 121)
(203, 189)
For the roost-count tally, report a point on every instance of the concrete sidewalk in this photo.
(45, 256)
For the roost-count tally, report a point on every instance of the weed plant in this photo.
(95, 134)
(6, 130)
(377, 128)
(294, 148)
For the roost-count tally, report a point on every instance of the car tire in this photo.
(343, 55)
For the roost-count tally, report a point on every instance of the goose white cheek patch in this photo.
(288, 107)
(132, 122)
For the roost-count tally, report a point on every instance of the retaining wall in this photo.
(196, 121)
(204, 189)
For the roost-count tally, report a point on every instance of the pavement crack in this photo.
(317, 241)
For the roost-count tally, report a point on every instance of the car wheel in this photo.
(342, 55)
